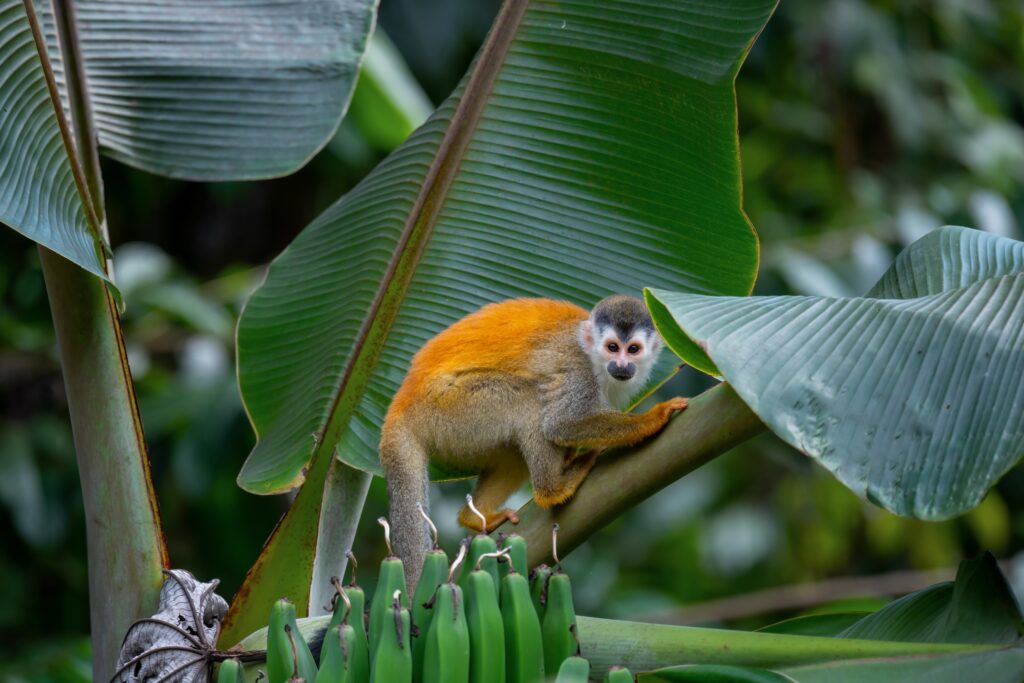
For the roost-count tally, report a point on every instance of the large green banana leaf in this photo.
(184, 88)
(217, 90)
(978, 607)
(40, 195)
(946, 259)
(592, 149)
(388, 103)
(915, 401)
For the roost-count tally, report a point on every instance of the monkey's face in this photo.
(623, 356)
(622, 344)
(624, 352)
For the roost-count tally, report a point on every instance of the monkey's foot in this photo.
(494, 519)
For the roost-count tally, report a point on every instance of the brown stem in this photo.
(295, 651)
(355, 565)
(803, 595)
(383, 521)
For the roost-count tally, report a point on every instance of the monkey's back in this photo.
(500, 338)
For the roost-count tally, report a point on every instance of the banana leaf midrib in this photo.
(92, 218)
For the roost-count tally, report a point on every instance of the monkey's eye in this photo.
(613, 347)
(633, 348)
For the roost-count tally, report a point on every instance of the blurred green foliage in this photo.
(863, 124)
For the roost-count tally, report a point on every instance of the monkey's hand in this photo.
(665, 409)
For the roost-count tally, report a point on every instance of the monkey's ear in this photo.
(586, 335)
(655, 343)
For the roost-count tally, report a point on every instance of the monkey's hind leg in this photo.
(554, 473)
(493, 487)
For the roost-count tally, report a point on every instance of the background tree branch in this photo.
(804, 595)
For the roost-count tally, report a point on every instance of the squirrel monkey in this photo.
(511, 391)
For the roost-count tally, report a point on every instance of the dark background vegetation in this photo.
(863, 125)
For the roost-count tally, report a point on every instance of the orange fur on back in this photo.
(497, 337)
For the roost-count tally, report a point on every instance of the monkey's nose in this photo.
(621, 372)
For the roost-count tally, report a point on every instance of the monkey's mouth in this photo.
(622, 373)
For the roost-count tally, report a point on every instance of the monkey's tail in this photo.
(405, 468)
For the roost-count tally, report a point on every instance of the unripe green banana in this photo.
(342, 649)
(559, 622)
(446, 659)
(516, 546)
(360, 657)
(574, 670)
(392, 662)
(230, 672)
(618, 674)
(446, 651)
(282, 660)
(435, 571)
(524, 653)
(340, 608)
(539, 589)
(482, 544)
(335, 657)
(479, 547)
(486, 631)
(391, 578)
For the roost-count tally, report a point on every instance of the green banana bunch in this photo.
(539, 589)
(486, 632)
(390, 579)
(618, 674)
(516, 547)
(435, 570)
(481, 545)
(392, 662)
(335, 658)
(446, 657)
(287, 652)
(574, 669)
(230, 672)
(559, 623)
(360, 656)
(524, 652)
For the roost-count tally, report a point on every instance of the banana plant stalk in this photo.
(124, 539)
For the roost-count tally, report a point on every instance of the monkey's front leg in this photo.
(555, 478)
(610, 429)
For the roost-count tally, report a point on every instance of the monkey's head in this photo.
(620, 339)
